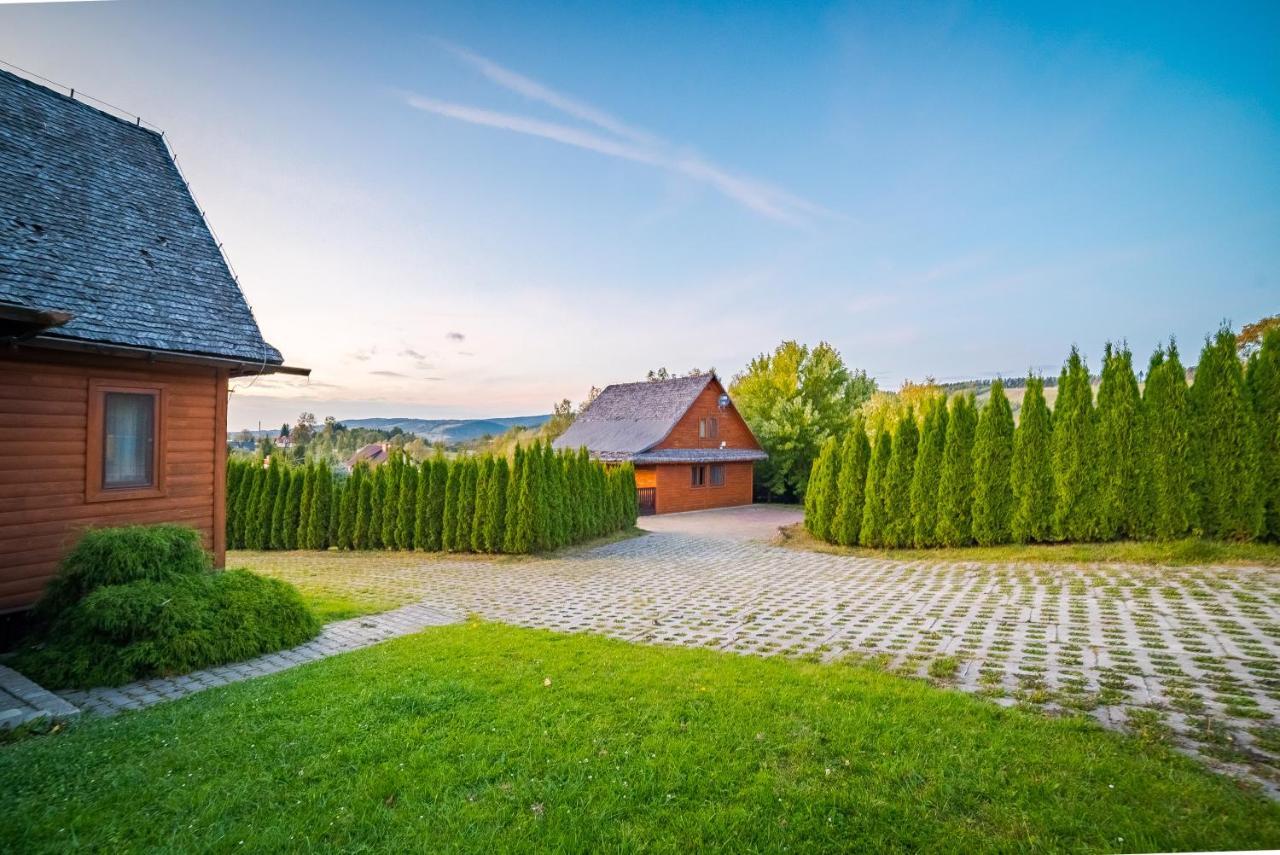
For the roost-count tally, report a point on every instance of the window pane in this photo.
(702, 427)
(128, 448)
(717, 475)
(715, 426)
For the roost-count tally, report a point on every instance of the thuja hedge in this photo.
(1166, 461)
(541, 499)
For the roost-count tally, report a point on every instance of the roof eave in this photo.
(236, 367)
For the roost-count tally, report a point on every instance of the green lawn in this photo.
(328, 605)
(482, 737)
(1175, 553)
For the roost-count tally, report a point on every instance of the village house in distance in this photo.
(690, 447)
(120, 325)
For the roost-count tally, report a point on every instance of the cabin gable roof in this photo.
(97, 222)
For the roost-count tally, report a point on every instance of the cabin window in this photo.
(128, 440)
(708, 428)
(125, 441)
(697, 476)
(717, 475)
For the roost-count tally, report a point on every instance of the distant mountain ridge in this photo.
(448, 431)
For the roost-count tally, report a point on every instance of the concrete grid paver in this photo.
(1192, 651)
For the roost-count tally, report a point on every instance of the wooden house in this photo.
(120, 326)
(691, 448)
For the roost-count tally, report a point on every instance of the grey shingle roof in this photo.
(699, 455)
(96, 220)
(630, 418)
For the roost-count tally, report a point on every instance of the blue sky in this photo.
(478, 209)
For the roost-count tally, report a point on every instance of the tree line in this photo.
(1163, 461)
(540, 499)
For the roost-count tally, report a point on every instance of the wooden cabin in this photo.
(690, 446)
(120, 326)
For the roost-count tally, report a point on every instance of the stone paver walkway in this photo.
(338, 637)
(1189, 655)
(22, 701)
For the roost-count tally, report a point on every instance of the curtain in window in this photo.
(128, 448)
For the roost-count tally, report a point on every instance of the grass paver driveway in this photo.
(1184, 655)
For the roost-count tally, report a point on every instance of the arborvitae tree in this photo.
(245, 499)
(521, 525)
(572, 497)
(336, 489)
(855, 457)
(480, 508)
(495, 506)
(321, 509)
(1122, 503)
(308, 476)
(235, 473)
(872, 530)
(514, 487)
(466, 510)
(1263, 381)
(897, 495)
(928, 474)
(349, 508)
(1075, 462)
(406, 505)
(1031, 471)
(377, 503)
(585, 504)
(452, 490)
(278, 513)
(539, 527)
(259, 532)
(600, 503)
(992, 458)
(292, 510)
(1225, 439)
(823, 493)
(955, 488)
(1166, 411)
(551, 500)
(421, 506)
(391, 500)
(633, 498)
(360, 534)
(435, 510)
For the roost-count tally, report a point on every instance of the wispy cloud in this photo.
(455, 336)
(621, 140)
(387, 374)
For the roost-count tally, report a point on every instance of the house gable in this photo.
(730, 428)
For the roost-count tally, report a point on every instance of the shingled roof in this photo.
(627, 420)
(96, 221)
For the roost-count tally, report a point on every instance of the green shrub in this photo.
(1168, 436)
(143, 601)
(406, 506)
(117, 556)
(820, 497)
(150, 628)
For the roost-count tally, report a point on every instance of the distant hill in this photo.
(448, 431)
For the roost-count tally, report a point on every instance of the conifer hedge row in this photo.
(1165, 462)
(542, 499)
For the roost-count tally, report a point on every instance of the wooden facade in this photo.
(51, 461)
(705, 426)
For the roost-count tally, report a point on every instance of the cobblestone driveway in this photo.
(1188, 655)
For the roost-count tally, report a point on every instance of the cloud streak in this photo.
(620, 140)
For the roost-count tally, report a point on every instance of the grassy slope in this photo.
(453, 740)
(1177, 553)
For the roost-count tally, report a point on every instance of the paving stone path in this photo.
(338, 637)
(1186, 655)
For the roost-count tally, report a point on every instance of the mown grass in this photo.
(329, 605)
(1176, 553)
(482, 737)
